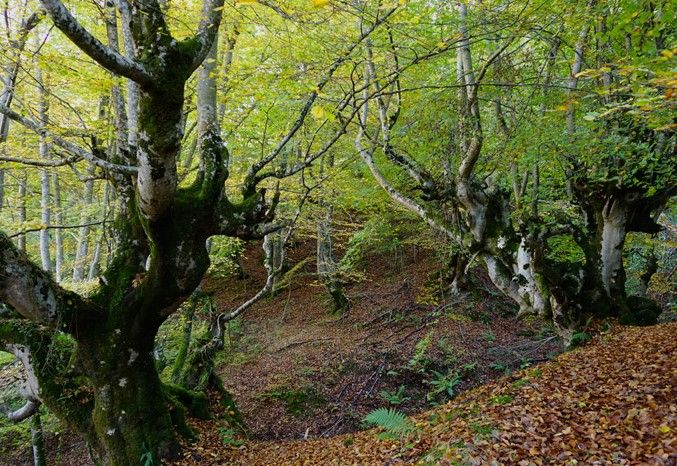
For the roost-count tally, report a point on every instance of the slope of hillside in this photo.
(611, 402)
(304, 379)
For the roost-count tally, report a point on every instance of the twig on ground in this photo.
(297, 343)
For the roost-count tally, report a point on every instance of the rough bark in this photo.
(9, 77)
(2, 188)
(614, 219)
(98, 245)
(650, 269)
(125, 412)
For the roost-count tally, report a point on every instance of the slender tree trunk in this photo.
(58, 236)
(649, 271)
(327, 268)
(227, 61)
(21, 239)
(458, 279)
(133, 94)
(37, 439)
(206, 95)
(96, 259)
(82, 246)
(45, 199)
(2, 188)
(9, 76)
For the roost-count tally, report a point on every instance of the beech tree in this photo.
(487, 208)
(92, 355)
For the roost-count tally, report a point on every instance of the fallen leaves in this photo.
(611, 402)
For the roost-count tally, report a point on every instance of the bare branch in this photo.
(85, 41)
(30, 390)
(67, 145)
(272, 272)
(26, 411)
(367, 156)
(251, 176)
(387, 122)
(57, 227)
(39, 163)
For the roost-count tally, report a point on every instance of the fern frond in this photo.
(391, 420)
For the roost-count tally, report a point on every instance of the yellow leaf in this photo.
(319, 3)
(318, 113)
(664, 429)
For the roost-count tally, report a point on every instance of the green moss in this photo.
(196, 402)
(6, 358)
(188, 47)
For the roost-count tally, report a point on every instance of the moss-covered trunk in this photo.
(132, 415)
(105, 384)
(136, 418)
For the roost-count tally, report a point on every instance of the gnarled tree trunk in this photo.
(112, 394)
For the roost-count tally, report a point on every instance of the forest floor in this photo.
(297, 371)
(611, 402)
(305, 379)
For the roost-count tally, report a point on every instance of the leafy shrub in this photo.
(83, 287)
(482, 430)
(378, 235)
(447, 350)
(6, 358)
(499, 366)
(147, 456)
(501, 399)
(563, 248)
(224, 255)
(489, 336)
(469, 367)
(229, 438)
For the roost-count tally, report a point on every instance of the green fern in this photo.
(391, 420)
(147, 456)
